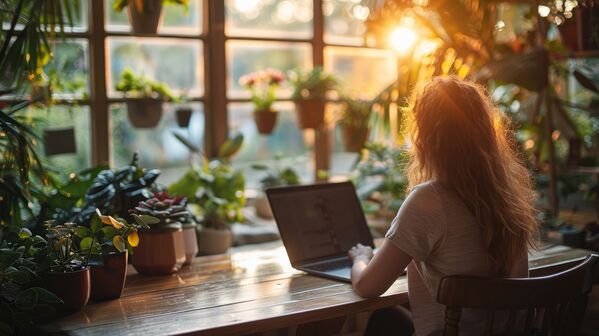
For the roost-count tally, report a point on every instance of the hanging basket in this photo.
(146, 18)
(310, 113)
(144, 112)
(183, 116)
(265, 120)
(354, 138)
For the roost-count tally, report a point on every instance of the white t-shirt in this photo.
(434, 227)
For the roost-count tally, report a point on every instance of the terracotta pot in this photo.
(263, 209)
(144, 112)
(183, 115)
(73, 288)
(354, 138)
(159, 252)
(265, 121)
(145, 20)
(191, 244)
(310, 113)
(108, 280)
(212, 241)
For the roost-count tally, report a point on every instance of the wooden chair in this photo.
(561, 299)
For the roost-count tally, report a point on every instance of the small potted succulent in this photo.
(354, 123)
(275, 177)
(107, 242)
(68, 275)
(162, 247)
(144, 98)
(215, 191)
(145, 15)
(309, 93)
(262, 86)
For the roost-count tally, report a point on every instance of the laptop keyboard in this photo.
(331, 265)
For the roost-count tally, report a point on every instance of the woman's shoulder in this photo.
(426, 194)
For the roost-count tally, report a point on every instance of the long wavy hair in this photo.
(462, 140)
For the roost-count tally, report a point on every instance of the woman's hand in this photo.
(360, 252)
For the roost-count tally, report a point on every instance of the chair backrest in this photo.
(560, 298)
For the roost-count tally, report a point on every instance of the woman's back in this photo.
(437, 230)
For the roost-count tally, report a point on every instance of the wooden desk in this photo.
(254, 289)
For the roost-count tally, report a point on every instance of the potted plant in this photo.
(354, 123)
(68, 274)
(162, 247)
(262, 86)
(275, 177)
(309, 93)
(107, 249)
(145, 15)
(25, 305)
(183, 115)
(215, 191)
(144, 98)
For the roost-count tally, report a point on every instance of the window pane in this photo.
(60, 117)
(344, 21)
(176, 62)
(157, 146)
(176, 20)
(362, 72)
(244, 57)
(286, 141)
(267, 18)
(68, 72)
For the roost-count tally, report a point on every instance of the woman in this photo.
(469, 208)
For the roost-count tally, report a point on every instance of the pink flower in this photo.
(248, 80)
(274, 76)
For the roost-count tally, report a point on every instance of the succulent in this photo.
(170, 212)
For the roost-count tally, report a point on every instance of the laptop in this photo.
(318, 224)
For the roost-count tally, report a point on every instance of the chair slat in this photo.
(531, 294)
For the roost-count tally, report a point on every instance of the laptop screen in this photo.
(317, 221)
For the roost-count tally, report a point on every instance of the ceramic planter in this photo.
(191, 243)
(213, 241)
(183, 116)
(144, 112)
(108, 280)
(354, 138)
(159, 251)
(265, 120)
(310, 113)
(73, 288)
(146, 18)
(263, 209)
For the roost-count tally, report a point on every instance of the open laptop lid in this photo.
(318, 221)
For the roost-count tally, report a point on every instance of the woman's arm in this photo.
(371, 278)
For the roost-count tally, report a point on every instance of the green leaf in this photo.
(83, 232)
(95, 223)
(109, 232)
(24, 233)
(149, 219)
(187, 143)
(19, 277)
(119, 243)
(8, 257)
(257, 166)
(27, 299)
(230, 147)
(86, 243)
(45, 296)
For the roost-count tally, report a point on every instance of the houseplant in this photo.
(275, 177)
(309, 93)
(68, 273)
(145, 15)
(107, 249)
(215, 191)
(354, 123)
(24, 304)
(262, 85)
(144, 98)
(162, 247)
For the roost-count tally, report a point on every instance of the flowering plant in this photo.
(262, 85)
